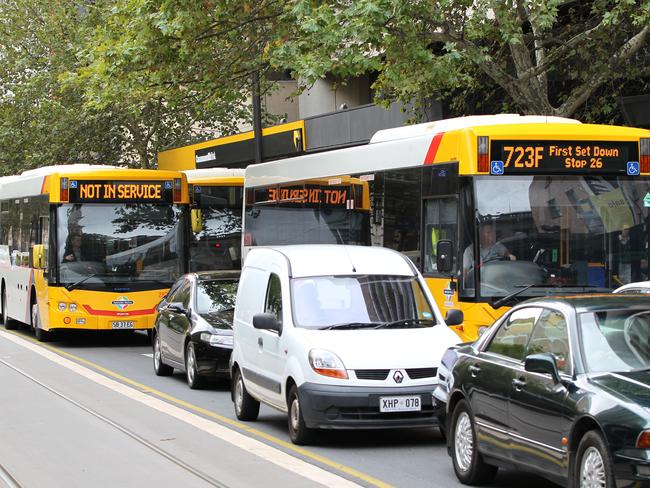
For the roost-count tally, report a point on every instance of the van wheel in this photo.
(298, 430)
(246, 407)
(41, 334)
(194, 381)
(160, 368)
(468, 463)
(8, 323)
(593, 462)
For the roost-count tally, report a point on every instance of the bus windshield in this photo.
(111, 244)
(577, 233)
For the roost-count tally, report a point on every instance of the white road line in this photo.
(253, 446)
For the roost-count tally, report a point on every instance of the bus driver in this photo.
(489, 248)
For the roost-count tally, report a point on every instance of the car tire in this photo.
(299, 433)
(194, 381)
(41, 334)
(246, 407)
(468, 463)
(593, 464)
(7, 322)
(160, 368)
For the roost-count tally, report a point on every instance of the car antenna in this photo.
(354, 270)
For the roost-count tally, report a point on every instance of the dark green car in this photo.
(559, 387)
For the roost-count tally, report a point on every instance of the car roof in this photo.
(633, 286)
(338, 260)
(595, 302)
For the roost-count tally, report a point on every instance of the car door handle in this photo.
(518, 384)
(260, 342)
(474, 370)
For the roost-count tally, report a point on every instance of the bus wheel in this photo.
(41, 335)
(8, 323)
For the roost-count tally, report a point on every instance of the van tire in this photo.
(8, 323)
(299, 433)
(246, 407)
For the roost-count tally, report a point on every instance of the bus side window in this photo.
(440, 222)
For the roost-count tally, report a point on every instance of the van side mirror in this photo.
(444, 256)
(197, 220)
(543, 363)
(267, 321)
(38, 256)
(454, 317)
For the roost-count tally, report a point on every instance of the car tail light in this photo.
(483, 156)
(644, 154)
(643, 441)
(64, 190)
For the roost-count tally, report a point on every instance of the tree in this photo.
(546, 56)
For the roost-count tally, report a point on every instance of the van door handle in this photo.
(518, 384)
(474, 370)
(260, 342)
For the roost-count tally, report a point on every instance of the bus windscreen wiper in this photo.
(82, 280)
(507, 298)
(351, 325)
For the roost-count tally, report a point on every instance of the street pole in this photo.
(257, 117)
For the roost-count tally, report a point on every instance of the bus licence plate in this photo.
(123, 324)
(400, 404)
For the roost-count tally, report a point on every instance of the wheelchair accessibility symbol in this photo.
(168, 185)
(633, 168)
(73, 184)
(496, 167)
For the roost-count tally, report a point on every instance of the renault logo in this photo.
(398, 377)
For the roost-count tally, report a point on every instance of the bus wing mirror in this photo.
(197, 220)
(444, 256)
(38, 256)
(454, 317)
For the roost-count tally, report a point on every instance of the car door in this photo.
(178, 323)
(491, 373)
(539, 413)
(269, 343)
(165, 316)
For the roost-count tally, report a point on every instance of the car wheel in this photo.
(298, 431)
(194, 381)
(8, 323)
(246, 407)
(593, 463)
(160, 368)
(41, 334)
(468, 463)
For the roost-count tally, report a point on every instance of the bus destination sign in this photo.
(525, 157)
(92, 191)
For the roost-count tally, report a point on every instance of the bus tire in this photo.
(41, 334)
(8, 323)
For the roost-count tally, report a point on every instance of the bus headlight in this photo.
(62, 306)
(72, 307)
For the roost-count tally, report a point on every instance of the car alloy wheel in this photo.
(160, 368)
(592, 469)
(464, 442)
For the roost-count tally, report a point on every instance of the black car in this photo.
(559, 387)
(193, 328)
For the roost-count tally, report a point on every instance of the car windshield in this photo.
(578, 233)
(108, 244)
(616, 340)
(216, 296)
(360, 301)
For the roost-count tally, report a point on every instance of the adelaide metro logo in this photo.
(122, 302)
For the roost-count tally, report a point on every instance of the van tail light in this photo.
(483, 156)
(65, 195)
(248, 239)
(177, 190)
(644, 154)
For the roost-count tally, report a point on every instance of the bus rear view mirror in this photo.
(197, 220)
(444, 256)
(38, 256)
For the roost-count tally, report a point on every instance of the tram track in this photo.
(5, 476)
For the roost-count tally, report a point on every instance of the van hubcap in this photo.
(239, 393)
(464, 442)
(295, 413)
(592, 469)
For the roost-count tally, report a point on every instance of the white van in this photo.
(337, 337)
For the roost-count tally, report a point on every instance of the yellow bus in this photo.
(529, 205)
(216, 215)
(89, 247)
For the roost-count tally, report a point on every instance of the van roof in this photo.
(332, 259)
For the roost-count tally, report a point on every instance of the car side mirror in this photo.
(267, 321)
(444, 256)
(177, 307)
(543, 363)
(454, 317)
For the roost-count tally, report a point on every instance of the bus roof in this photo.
(216, 176)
